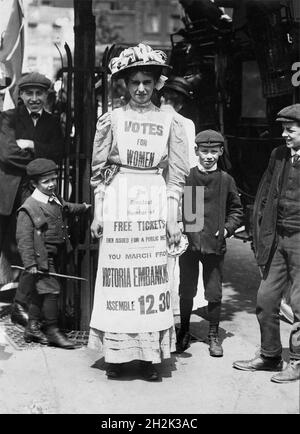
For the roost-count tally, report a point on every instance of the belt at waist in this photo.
(150, 170)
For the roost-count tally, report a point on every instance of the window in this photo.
(56, 63)
(152, 23)
(32, 63)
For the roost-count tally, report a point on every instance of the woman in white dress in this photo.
(136, 216)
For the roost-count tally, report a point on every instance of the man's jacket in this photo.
(48, 143)
(266, 205)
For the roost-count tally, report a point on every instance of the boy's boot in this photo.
(19, 315)
(215, 347)
(33, 333)
(57, 339)
(214, 311)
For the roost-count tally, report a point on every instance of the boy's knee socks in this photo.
(186, 306)
(214, 312)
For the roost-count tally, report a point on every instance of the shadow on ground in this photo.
(132, 370)
(240, 281)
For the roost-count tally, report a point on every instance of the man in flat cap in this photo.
(26, 132)
(277, 251)
(222, 215)
(173, 96)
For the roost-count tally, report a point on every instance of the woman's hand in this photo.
(173, 233)
(97, 223)
(96, 228)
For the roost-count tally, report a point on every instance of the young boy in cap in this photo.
(222, 211)
(42, 237)
(277, 250)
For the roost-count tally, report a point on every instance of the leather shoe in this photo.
(289, 374)
(149, 371)
(19, 315)
(57, 339)
(259, 363)
(33, 333)
(182, 341)
(113, 370)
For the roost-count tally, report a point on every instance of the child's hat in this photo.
(290, 113)
(209, 138)
(40, 166)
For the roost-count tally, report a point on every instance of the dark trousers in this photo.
(44, 306)
(212, 279)
(25, 288)
(4, 222)
(8, 244)
(44, 284)
(283, 274)
(8, 222)
(212, 275)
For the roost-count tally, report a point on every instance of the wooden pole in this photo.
(85, 118)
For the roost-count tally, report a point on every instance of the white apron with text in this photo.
(131, 292)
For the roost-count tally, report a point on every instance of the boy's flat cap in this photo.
(34, 79)
(290, 113)
(40, 167)
(209, 138)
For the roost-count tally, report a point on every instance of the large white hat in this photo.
(133, 57)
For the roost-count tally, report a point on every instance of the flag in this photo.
(11, 42)
(11, 61)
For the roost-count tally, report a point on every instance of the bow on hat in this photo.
(140, 55)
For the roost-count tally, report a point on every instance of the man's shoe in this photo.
(289, 374)
(149, 371)
(259, 363)
(113, 370)
(183, 340)
(33, 333)
(57, 339)
(19, 315)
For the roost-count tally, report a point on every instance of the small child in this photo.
(223, 214)
(42, 237)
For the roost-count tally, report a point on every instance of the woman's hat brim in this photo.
(140, 64)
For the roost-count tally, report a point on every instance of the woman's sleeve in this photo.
(178, 166)
(101, 149)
